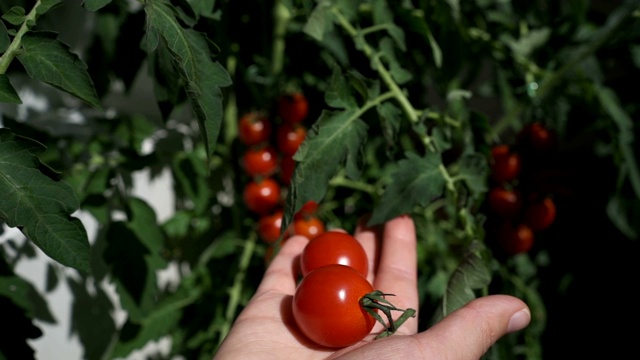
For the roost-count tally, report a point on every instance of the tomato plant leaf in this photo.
(95, 5)
(14, 344)
(189, 171)
(203, 77)
(338, 94)
(15, 15)
(400, 75)
(473, 170)
(47, 59)
(382, 16)
(416, 181)
(4, 38)
(622, 212)
(46, 5)
(7, 93)
(39, 204)
(472, 273)
(319, 22)
(335, 138)
(25, 295)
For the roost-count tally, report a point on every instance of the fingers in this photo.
(281, 274)
(465, 334)
(396, 271)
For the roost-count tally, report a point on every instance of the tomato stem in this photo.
(376, 301)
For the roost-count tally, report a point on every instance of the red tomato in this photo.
(310, 227)
(308, 209)
(326, 306)
(540, 214)
(254, 128)
(505, 164)
(260, 161)
(504, 202)
(269, 226)
(287, 165)
(262, 196)
(536, 137)
(289, 137)
(334, 247)
(515, 239)
(293, 107)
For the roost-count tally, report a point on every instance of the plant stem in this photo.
(14, 47)
(281, 16)
(238, 283)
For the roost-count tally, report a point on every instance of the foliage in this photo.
(405, 101)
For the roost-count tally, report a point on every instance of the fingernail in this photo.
(519, 320)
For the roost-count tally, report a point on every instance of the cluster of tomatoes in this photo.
(519, 206)
(334, 304)
(269, 145)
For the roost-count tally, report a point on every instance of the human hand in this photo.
(266, 328)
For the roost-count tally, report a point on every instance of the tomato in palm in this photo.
(515, 238)
(254, 128)
(333, 247)
(326, 306)
(504, 202)
(269, 226)
(505, 164)
(289, 137)
(262, 196)
(540, 214)
(310, 227)
(260, 161)
(293, 107)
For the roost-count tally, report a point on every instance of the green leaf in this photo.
(202, 76)
(25, 295)
(190, 172)
(473, 170)
(416, 182)
(39, 204)
(15, 15)
(320, 21)
(47, 59)
(4, 38)
(622, 212)
(382, 15)
(338, 94)
(472, 274)
(46, 5)
(14, 344)
(95, 5)
(336, 137)
(400, 75)
(7, 93)
(528, 43)
(52, 279)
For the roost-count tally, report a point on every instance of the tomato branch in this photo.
(14, 47)
(376, 301)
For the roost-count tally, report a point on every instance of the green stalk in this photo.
(14, 47)
(281, 17)
(238, 284)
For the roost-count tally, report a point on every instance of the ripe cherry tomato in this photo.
(287, 165)
(333, 247)
(504, 202)
(515, 239)
(269, 226)
(289, 137)
(326, 306)
(254, 128)
(505, 164)
(310, 227)
(308, 209)
(536, 137)
(260, 161)
(540, 214)
(293, 107)
(262, 196)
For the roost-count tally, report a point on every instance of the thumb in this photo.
(468, 332)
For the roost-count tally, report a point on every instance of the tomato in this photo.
(307, 210)
(260, 161)
(515, 239)
(326, 306)
(540, 214)
(333, 247)
(536, 137)
(505, 164)
(504, 202)
(293, 107)
(310, 227)
(262, 196)
(287, 165)
(289, 137)
(254, 128)
(269, 226)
